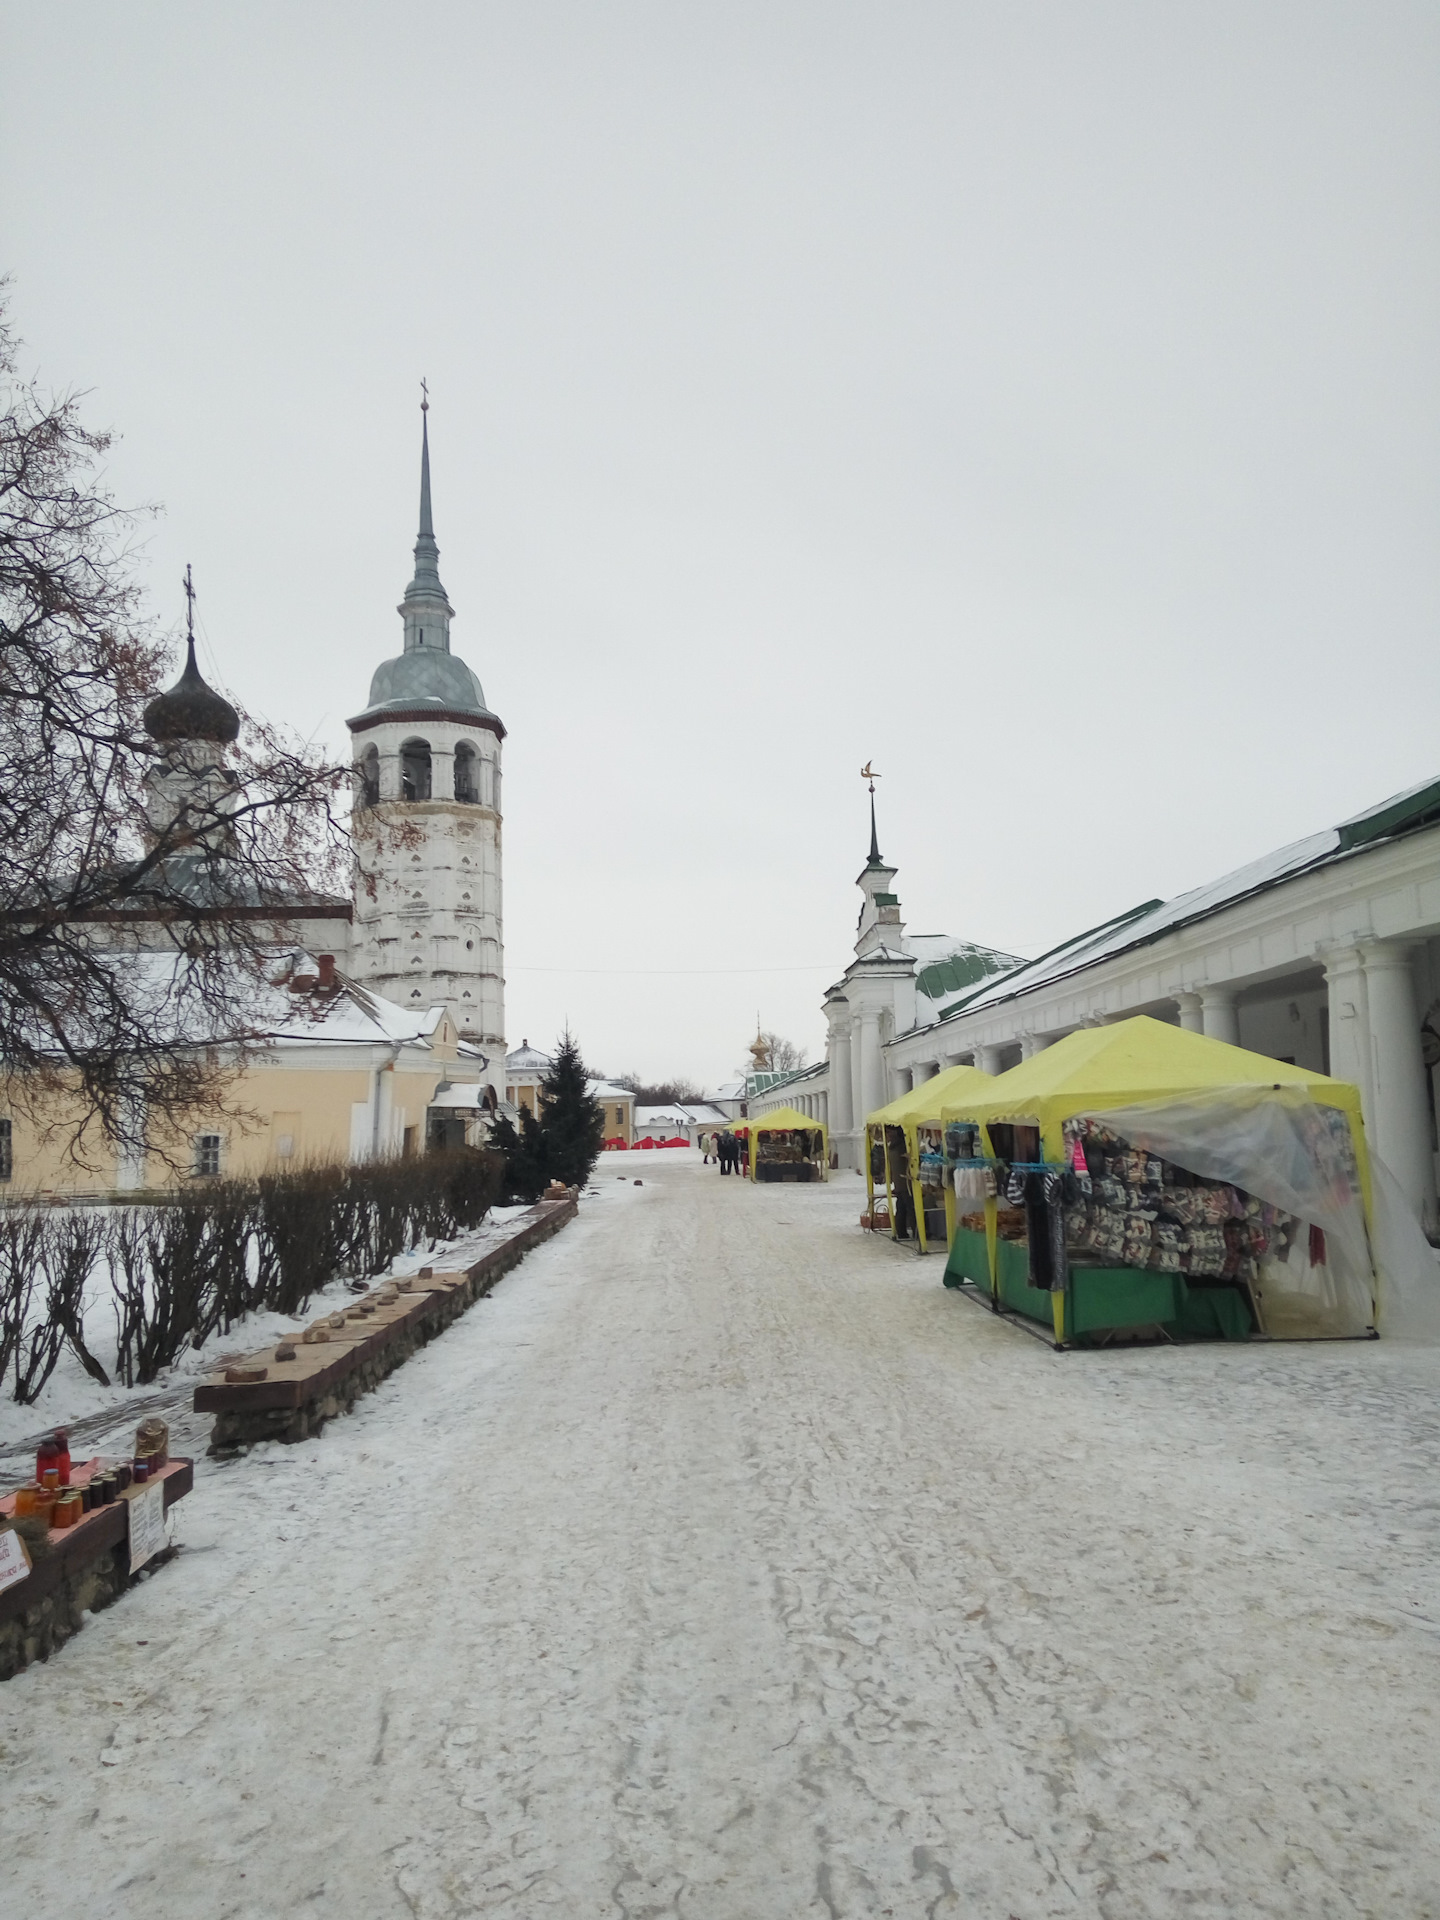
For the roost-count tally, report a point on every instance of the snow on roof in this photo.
(467, 1097)
(948, 966)
(353, 1014)
(267, 1011)
(526, 1059)
(661, 1117)
(603, 1090)
(1402, 814)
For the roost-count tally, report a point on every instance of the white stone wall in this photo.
(429, 911)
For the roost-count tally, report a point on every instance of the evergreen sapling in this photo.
(572, 1123)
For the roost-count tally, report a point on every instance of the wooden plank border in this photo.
(296, 1398)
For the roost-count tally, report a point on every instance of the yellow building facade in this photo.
(344, 1076)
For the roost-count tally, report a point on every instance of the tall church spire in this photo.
(426, 524)
(426, 608)
(867, 772)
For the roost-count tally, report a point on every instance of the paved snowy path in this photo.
(723, 1566)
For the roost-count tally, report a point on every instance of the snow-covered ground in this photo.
(724, 1566)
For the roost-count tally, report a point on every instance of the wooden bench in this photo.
(296, 1396)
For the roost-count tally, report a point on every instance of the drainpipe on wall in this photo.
(375, 1073)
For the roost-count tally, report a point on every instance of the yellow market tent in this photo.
(910, 1111)
(1222, 1113)
(791, 1120)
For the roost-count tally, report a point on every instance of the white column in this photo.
(1349, 1020)
(1192, 1013)
(905, 1081)
(872, 1064)
(131, 1159)
(1401, 1130)
(389, 772)
(1220, 1017)
(858, 1109)
(840, 1078)
(988, 1059)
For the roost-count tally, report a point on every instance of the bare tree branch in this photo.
(134, 936)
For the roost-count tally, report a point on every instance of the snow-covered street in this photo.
(723, 1565)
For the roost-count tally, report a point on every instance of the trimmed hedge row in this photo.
(183, 1269)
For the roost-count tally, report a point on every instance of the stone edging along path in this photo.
(291, 1398)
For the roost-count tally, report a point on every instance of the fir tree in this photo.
(572, 1124)
(525, 1153)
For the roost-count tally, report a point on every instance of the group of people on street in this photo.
(728, 1152)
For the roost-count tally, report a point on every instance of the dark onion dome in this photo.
(191, 710)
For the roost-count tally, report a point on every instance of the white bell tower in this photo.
(428, 911)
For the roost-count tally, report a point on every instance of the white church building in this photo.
(1326, 953)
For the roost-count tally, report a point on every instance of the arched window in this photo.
(465, 787)
(369, 771)
(415, 770)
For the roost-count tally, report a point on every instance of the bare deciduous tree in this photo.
(88, 876)
(780, 1056)
(660, 1093)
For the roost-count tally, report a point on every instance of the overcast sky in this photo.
(1040, 400)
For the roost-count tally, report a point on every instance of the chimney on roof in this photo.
(328, 982)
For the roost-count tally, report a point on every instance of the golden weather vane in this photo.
(867, 772)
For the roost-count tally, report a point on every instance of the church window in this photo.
(369, 771)
(207, 1155)
(7, 1150)
(465, 788)
(469, 946)
(415, 770)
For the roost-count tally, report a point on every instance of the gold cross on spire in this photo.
(424, 396)
(189, 604)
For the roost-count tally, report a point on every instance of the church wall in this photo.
(315, 1109)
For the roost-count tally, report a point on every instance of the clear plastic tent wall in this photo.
(1279, 1145)
(1276, 1144)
